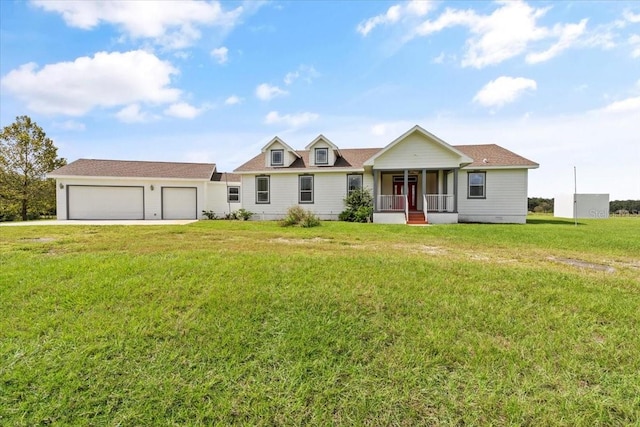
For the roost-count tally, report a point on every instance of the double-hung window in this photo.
(477, 185)
(306, 189)
(262, 189)
(354, 182)
(322, 156)
(233, 194)
(277, 157)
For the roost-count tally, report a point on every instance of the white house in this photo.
(417, 178)
(117, 189)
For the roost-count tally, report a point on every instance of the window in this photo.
(306, 189)
(322, 156)
(262, 189)
(354, 182)
(233, 194)
(477, 181)
(277, 157)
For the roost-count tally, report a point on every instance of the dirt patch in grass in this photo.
(39, 240)
(299, 241)
(583, 264)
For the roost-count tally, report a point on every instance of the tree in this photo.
(359, 204)
(26, 156)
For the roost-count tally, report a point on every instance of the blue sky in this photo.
(557, 82)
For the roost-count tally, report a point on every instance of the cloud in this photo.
(173, 25)
(568, 35)
(304, 72)
(503, 90)
(293, 120)
(631, 17)
(182, 110)
(628, 105)
(220, 54)
(634, 42)
(70, 125)
(104, 80)
(416, 8)
(265, 91)
(233, 100)
(133, 114)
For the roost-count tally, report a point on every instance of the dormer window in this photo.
(277, 157)
(322, 156)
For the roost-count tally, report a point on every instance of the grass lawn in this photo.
(248, 323)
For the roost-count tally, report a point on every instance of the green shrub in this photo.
(297, 216)
(359, 206)
(210, 214)
(244, 214)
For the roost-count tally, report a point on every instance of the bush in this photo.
(210, 214)
(359, 206)
(244, 214)
(297, 216)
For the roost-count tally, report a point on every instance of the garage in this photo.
(179, 203)
(105, 202)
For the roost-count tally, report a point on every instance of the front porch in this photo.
(415, 196)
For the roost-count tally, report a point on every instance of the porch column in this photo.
(376, 176)
(455, 190)
(406, 182)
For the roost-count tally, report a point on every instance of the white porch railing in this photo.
(388, 202)
(439, 202)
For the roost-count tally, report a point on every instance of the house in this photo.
(416, 178)
(117, 189)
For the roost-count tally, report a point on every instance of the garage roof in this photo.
(135, 169)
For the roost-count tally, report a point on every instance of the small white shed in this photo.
(582, 206)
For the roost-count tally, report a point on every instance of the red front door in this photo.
(398, 190)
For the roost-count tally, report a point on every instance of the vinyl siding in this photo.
(506, 197)
(329, 191)
(152, 199)
(217, 198)
(416, 152)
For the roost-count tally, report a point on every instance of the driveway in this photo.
(101, 222)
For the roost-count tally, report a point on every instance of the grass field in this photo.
(248, 323)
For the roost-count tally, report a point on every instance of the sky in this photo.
(556, 82)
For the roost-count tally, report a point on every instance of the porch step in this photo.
(416, 217)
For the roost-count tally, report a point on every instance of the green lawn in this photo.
(248, 323)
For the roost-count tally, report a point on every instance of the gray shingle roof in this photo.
(135, 169)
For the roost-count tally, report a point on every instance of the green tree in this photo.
(26, 156)
(359, 206)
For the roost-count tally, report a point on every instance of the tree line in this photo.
(543, 205)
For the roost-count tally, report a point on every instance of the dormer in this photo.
(278, 154)
(322, 152)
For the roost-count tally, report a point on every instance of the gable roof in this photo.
(135, 169)
(428, 135)
(493, 156)
(352, 158)
(286, 146)
(321, 137)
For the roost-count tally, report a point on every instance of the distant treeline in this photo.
(542, 205)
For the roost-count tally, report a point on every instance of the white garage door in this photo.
(179, 203)
(105, 202)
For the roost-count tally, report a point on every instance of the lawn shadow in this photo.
(556, 221)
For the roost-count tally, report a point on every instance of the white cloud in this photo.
(503, 90)
(631, 17)
(133, 114)
(568, 34)
(293, 120)
(104, 80)
(221, 54)
(634, 41)
(182, 110)
(173, 24)
(415, 8)
(304, 72)
(265, 91)
(378, 129)
(70, 125)
(233, 100)
(628, 105)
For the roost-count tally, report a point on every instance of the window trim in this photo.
(483, 186)
(326, 153)
(361, 182)
(236, 187)
(281, 163)
(305, 202)
(267, 191)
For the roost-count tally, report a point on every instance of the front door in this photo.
(398, 190)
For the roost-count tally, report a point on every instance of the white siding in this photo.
(416, 152)
(506, 197)
(217, 198)
(329, 191)
(152, 198)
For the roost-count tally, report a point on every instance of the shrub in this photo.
(359, 206)
(210, 214)
(244, 214)
(297, 216)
